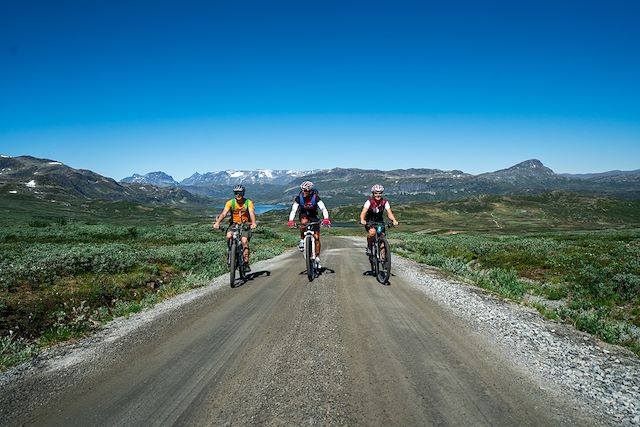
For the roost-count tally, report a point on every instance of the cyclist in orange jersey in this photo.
(242, 212)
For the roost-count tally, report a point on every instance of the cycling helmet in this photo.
(307, 185)
(377, 189)
(238, 189)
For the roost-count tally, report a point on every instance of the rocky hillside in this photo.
(46, 179)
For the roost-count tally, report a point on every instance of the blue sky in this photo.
(127, 86)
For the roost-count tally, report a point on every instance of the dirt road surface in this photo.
(279, 350)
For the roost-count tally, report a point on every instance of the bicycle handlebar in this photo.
(375, 224)
(308, 224)
(236, 226)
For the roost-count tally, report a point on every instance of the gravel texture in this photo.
(602, 377)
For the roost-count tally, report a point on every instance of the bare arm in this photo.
(392, 217)
(252, 215)
(224, 213)
(363, 212)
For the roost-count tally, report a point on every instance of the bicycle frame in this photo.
(380, 264)
(309, 249)
(235, 253)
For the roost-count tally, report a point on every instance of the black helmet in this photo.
(238, 189)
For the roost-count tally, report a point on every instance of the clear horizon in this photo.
(138, 87)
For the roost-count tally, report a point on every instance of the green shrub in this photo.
(14, 350)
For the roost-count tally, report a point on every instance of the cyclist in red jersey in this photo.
(373, 211)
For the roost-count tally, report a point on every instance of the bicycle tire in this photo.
(384, 262)
(241, 263)
(372, 262)
(233, 251)
(309, 258)
(375, 258)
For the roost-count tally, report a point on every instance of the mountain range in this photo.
(51, 180)
(228, 177)
(344, 185)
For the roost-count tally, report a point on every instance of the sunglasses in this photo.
(377, 194)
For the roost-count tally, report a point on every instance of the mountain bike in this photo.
(309, 250)
(380, 257)
(235, 258)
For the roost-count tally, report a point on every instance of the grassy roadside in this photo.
(60, 281)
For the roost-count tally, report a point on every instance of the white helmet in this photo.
(307, 185)
(377, 189)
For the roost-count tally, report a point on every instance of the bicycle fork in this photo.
(312, 241)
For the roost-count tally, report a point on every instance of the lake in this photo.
(260, 209)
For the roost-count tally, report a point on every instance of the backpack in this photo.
(233, 204)
(377, 207)
(312, 204)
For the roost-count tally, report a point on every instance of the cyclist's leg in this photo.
(304, 219)
(316, 234)
(383, 248)
(245, 248)
(371, 232)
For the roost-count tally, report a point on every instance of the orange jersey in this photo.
(241, 212)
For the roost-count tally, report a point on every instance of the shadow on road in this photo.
(373, 274)
(251, 276)
(319, 273)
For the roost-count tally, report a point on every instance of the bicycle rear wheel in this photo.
(308, 255)
(384, 262)
(232, 264)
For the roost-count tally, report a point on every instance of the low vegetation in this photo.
(550, 212)
(61, 280)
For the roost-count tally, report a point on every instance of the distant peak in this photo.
(529, 164)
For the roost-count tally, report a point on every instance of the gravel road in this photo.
(342, 350)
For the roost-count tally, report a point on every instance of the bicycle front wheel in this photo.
(384, 262)
(373, 263)
(308, 255)
(233, 264)
(241, 264)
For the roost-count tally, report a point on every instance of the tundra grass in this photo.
(60, 281)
